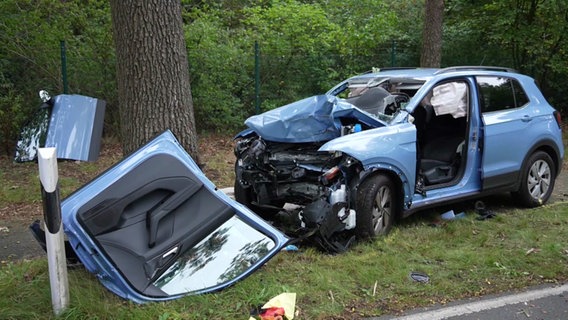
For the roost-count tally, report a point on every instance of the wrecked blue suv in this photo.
(384, 144)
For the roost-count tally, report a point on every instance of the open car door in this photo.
(154, 228)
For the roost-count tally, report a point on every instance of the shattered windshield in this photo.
(380, 96)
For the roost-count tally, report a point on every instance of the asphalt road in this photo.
(542, 303)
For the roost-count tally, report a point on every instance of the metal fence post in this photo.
(48, 175)
(393, 53)
(257, 77)
(64, 66)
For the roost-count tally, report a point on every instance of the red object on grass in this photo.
(274, 313)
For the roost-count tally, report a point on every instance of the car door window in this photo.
(498, 93)
(222, 256)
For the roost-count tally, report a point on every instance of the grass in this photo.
(463, 258)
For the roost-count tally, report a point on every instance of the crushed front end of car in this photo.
(280, 161)
(270, 175)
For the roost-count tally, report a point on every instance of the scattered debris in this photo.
(450, 215)
(532, 250)
(4, 229)
(420, 277)
(483, 212)
(290, 247)
(438, 223)
(280, 307)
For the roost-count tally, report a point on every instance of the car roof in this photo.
(425, 73)
(404, 72)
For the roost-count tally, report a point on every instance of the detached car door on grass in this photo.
(153, 227)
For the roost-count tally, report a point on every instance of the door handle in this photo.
(154, 215)
(171, 252)
(526, 118)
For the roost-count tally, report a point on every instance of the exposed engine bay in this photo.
(270, 175)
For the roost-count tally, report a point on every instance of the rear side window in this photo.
(497, 93)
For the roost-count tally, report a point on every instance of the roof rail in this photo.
(481, 68)
(375, 70)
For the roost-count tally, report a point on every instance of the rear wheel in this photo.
(537, 180)
(377, 206)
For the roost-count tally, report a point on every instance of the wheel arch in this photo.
(395, 177)
(532, 194)
(549, 147)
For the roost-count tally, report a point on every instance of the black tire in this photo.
(538, 177)
(377, 207)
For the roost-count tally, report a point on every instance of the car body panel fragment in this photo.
(76, 126)
(32, 136)
(73, 124)
(154, 228)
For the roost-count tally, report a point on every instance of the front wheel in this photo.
(537, 182)
(377, 206)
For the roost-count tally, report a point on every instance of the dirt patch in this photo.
(17, 242)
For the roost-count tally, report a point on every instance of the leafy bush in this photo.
(305, 48)
(296, 43)
(11, 115)
(221, 74)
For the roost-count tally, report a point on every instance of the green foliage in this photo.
(305, 48)
(11, 115)
(527, 35)
(221, 74)
(296, 42)
(30, 56)
(407, 32)
(367, 29)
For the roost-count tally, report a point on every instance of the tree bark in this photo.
(154, 92)
(431, 55)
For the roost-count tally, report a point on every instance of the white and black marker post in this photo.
(48, 175)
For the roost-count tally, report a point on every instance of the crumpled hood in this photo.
(312, 119)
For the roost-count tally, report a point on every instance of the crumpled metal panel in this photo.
(75, 127)
(312, 119)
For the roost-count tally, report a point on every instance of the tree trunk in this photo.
(431, 55)
(152, 73)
